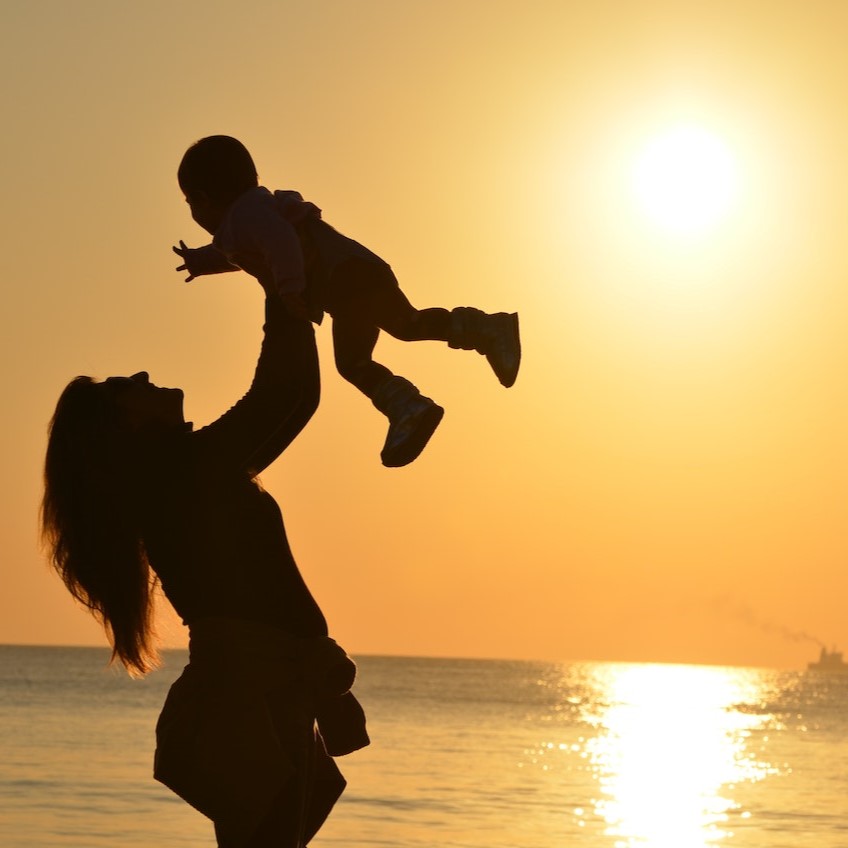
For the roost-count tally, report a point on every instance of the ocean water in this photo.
(465, 754)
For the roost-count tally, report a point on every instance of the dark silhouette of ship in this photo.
(829, 661)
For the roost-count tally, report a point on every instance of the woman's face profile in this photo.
(144, 405)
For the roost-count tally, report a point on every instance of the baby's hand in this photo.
(295, 305)
(200, 261)
(184, 252)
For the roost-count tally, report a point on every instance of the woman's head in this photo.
(142, 406)
(118, 410)
(99, 441)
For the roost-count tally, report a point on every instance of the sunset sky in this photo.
(660, 189)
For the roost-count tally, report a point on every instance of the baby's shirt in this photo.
(256, 237)
(281, 240)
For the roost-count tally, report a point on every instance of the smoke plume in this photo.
(729, 609)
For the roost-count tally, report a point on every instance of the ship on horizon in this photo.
(829, 661)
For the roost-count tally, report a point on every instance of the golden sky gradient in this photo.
(667, 480)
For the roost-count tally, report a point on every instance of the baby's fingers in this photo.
(184, 267)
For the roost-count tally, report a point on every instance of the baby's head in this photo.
(213, 173)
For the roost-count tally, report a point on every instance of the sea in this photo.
(464, 754)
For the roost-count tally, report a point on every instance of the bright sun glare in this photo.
(671, 752)
(685, 180)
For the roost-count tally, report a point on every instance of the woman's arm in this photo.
(282, 398)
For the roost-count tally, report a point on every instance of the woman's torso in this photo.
(218, 543)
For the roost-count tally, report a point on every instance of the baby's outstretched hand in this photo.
(200, 261)
(182, 251)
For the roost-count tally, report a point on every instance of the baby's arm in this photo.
(269, 248)
(199, 261)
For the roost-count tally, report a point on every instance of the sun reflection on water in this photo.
(669, 747)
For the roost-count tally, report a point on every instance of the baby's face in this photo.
(205, 213)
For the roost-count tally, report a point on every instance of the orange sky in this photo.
(667, 479)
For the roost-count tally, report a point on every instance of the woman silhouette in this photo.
(134, 495)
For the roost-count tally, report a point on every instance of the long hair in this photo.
(90, 519)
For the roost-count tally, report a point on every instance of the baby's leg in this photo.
(370, 292)
(412, 417)
(495, 336)
(393, 313)
(353, 346)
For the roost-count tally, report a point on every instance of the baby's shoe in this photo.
(413, 419)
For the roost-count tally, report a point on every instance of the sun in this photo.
(685, 180)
